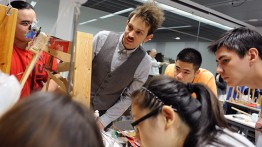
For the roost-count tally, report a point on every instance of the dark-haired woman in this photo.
(165, 114)
(49, 120)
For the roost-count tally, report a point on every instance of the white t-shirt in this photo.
(232, 140)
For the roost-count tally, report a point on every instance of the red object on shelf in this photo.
(251, 105)
(59, 44)
(133, 143)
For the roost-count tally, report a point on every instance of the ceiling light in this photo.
(33, 3)
(124, 11)
(189, 15)
(253, 20)
(92, 20)
(107, 16)
(177, 38)
(175, 27)
(117, 13)
(194, 17)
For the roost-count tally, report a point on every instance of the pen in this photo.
(237, 117)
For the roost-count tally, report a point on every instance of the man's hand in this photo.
(162, 63)
(53, 86)
(259, 124)
(100, 125)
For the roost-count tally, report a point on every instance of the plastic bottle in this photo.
(96, 114)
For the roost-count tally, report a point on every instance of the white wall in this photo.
(115, 23)
(4, 2)
(47, 12)
(47, 18)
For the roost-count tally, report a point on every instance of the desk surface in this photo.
(242, 105)
(245, 121)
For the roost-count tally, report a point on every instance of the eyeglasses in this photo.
(152, 113)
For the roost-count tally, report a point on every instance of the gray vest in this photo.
(107, 86)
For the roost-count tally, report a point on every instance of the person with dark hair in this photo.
(252, 93)
(120, 65)
(21, 57)
(166, 114)
(187, 69)
(49, 120)
(221, 85)
(239, 59)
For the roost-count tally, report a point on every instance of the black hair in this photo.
(202, 114)
(239, 40)
(190, 55)
(21, 5)
(49, 119)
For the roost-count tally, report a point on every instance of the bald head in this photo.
(153, 53)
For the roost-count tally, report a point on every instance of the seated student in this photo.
(256, 93)
(187, 69)
(49, 120)
(235, 95)
(221, 85)
(165, 114)
(238, 91)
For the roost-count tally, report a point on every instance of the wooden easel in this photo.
(83, 68)
(8, 18)
(81, 83)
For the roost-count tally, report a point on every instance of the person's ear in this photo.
(197, 72)
(253, 55)
(169, 115)
(149, 37)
